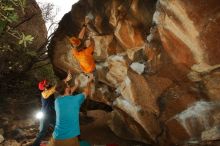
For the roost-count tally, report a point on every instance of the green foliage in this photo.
(13, 17)
(2, 26)
(22, 4)
(15, 56)
(25, 39)
(8, 11)
(32, 53)
(8, 16)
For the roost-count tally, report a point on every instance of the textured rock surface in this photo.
(185, 29)
(211, 134)
(11, 143)
(212, 85)
(33, 24)
(1, 138)
(157, 65)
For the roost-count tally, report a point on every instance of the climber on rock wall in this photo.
(47, 100)
(67, 107)
(82, 50)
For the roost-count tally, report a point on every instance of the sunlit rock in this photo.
(211, 134)
(216, 117)
(171, 98)
(161, 78)
(184, 36)
(129, 36)
(144, 92)
(117, 69)
(147, 120)
(102, 44)
(101, 71)
(212, 86)
(11, 143)
(190, 123)
(124, 126)
(63, 57)
(137, 67)
(1, 139)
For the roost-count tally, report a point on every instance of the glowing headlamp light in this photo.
(39, 115)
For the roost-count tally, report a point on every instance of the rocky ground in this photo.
(19, 127)
(157, 63)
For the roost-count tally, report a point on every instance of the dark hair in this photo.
(81, 45)
(60, 88)
(48, 86)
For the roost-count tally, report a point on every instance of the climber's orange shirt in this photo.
(85, 59)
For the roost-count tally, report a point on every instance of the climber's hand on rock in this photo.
(68, 77)
(87, 20)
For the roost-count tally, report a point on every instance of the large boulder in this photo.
(145, 92)
(11, 143)
(148, 121)
(212, 86)
(32, 23)
(124, 126)
(184, 28)
(1, 138)
(118, 66)
(161, 78)
(190, 123)
(211, 134)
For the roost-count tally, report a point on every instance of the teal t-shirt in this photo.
(67, 116)
(84, 143)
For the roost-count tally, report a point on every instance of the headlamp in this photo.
(39, 115)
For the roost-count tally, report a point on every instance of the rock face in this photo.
(29, 22)
(157, 64)
(211, 134)
(185, 29)
(1, 139)
(33, 24)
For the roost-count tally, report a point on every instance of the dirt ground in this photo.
(20, 127)
(97, 132)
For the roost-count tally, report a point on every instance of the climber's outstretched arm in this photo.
(82, 32)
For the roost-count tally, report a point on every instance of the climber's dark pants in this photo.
(44, 125)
